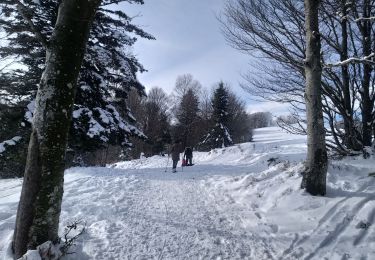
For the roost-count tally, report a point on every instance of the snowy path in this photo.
(242, 202)
(165, 216)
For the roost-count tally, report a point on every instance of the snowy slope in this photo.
(241, 202)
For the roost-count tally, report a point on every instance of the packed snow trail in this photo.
(160, 217)
(240, 202)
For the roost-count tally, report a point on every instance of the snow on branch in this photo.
(10, 142)
(360, 19)
(365, 59)
(356, 19)
(25, 13)
(111, 2)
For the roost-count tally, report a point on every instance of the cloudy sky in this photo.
(188, 40)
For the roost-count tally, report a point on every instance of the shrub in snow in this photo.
(54, 251)
(71, 233)
(273, 161)
(363, 225)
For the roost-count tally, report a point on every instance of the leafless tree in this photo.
(154, 116)
(274, 31)
(184, 83)
(260, 119)
(314, 177)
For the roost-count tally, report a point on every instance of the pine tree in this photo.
(108, 72)
(219, 135)
(187, 116)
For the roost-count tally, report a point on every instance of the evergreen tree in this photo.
(219, 135)
(187, 116)
(108, 72)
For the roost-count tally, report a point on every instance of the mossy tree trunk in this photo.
(42, 191)
(314, 178)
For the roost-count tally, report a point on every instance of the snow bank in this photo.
(239, 202)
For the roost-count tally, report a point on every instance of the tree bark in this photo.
(314, 177)
(42, 191)
(350, 139)
(366, 105)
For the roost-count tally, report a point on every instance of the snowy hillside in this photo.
(241, 202)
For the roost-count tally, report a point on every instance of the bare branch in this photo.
(372, 18)
(366, 59)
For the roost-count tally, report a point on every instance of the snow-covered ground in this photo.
(241, 202)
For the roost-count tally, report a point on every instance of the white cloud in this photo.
(268, 106)
(188, 40)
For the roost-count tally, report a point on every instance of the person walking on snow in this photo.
(189, 156)
(175, 152)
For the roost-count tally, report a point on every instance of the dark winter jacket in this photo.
(175, 152)
(188, 152)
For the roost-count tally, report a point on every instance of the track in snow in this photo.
(233, 204)
(158, 216)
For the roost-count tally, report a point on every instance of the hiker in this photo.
(189, 156)
(175, 152)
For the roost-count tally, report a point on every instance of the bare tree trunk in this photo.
(350, 138)
(366, 105)
(42, 191)
(314, 178)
